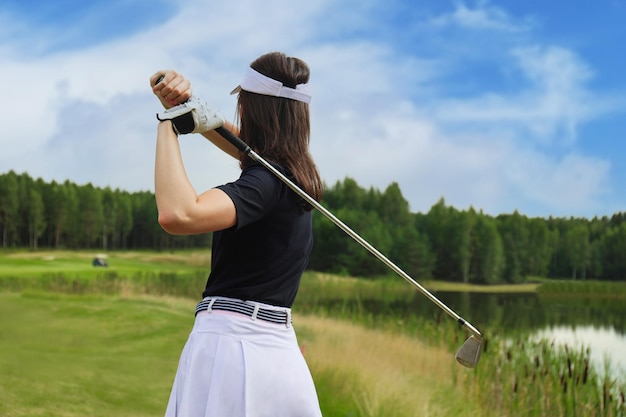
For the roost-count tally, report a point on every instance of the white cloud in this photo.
(378, 114)
(482, 17)
(547, 107)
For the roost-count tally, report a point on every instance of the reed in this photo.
(538, 378)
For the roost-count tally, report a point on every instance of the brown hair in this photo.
(279, 128)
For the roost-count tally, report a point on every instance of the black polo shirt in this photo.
(263, 256)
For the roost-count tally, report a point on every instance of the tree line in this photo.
(36, 214)
(464, 245)
(445, 243)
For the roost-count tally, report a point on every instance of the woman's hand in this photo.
(172, 89)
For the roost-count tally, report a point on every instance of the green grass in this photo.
(497, 288)
(77, 340)
(595, 289)
(21, 263)
(183, 274)
(67, 355)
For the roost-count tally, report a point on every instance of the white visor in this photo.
(255, 82)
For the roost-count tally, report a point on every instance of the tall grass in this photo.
(538, 378)
(110, 282)
(370, 373)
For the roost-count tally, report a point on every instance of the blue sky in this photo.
(499, 105)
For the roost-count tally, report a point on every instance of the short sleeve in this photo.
(254, 194)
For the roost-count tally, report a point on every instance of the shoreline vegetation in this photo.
(133, 317)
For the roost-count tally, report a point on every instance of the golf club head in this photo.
(469, 354)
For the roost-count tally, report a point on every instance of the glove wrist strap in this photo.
(182, 125)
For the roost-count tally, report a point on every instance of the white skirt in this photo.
(234, 366)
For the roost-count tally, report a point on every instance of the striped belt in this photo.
(250, 309)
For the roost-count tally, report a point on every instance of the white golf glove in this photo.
(193, 116)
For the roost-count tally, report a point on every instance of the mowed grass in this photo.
(68, 355)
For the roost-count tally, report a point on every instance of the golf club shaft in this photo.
(243, 147)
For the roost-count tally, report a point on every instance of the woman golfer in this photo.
(242, 357)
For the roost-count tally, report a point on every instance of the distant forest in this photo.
(444, 244)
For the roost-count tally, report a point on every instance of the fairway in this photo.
(65, 355)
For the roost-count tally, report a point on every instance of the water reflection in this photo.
(598, 324)
(603, 343)
(531, 312)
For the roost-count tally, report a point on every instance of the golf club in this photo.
(469, 353)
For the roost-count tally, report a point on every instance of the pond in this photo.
(596, 324)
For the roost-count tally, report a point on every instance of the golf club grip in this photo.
(225, 133)
(229, 136)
